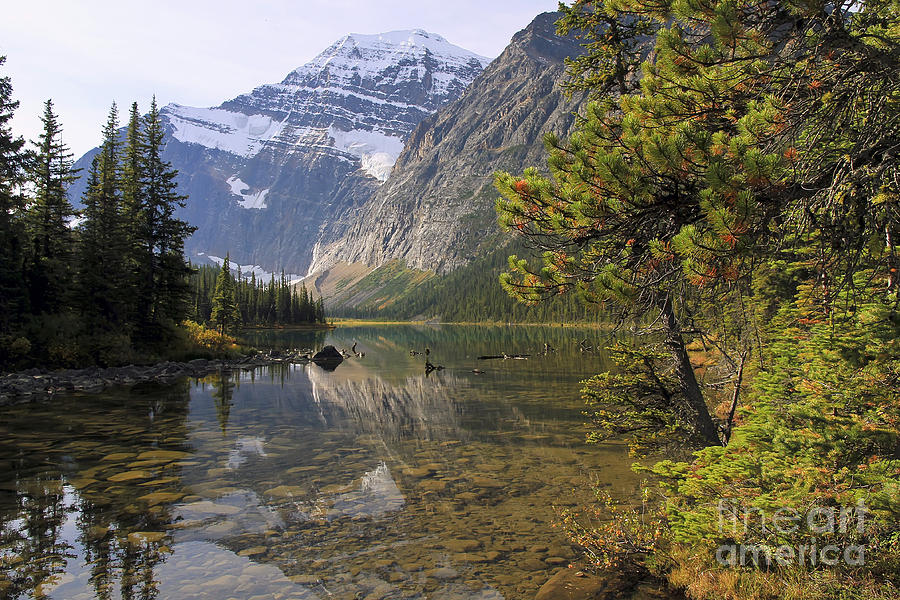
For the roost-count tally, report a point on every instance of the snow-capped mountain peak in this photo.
(378, 63)
(374, 88)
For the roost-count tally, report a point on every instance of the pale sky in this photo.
(84, 54)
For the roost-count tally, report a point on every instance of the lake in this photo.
(375, 480)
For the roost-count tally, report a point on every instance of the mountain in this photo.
(267, 171)
(436, 211)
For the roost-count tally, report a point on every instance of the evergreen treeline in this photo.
(101, 285)
(471, 294)
(220, 299)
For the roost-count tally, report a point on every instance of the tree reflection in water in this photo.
(292, 471)
(66, 510)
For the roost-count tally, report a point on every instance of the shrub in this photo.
(208, 341)
(19, 347)
(614, 534)
(13, 349)
(109, 348)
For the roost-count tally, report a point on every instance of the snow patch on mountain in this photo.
(248, 201)
(220, 129)
(377, 151)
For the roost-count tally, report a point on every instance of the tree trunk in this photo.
(892, 259)
(729, 424)
(687, 381)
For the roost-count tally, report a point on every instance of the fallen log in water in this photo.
(505, 356)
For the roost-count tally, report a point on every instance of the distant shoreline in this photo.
(338, 322)
(300, 327)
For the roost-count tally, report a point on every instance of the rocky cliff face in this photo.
(266, 171)
(436, 211)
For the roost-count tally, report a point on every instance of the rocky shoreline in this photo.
(37, 384)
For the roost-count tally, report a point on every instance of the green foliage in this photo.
(159, 238)
(638, 401)
(614, 47)
(225, 314)
(13, 349)
(102, 279)
(108, 348)
(743, 187)
(822, 430)
(745, 111)
(56, 339)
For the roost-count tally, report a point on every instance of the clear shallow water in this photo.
(291, 482)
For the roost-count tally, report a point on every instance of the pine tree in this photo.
(307, 310)
(295, 307)
(756, 129)
(47, 219)
(225, 313)
(13, 159)
(103, 281)
(260, 302)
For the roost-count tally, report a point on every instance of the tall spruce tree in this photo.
(162, 234)
(131, 186)
(103, 281)
(13, 159)
(225, 312)
(271, 301)
(307, 310)
(49, 272)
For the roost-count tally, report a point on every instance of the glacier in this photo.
(220, 129)
(376, 151)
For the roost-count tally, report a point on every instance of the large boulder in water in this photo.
(328, 358)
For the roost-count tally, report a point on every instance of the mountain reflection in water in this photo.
(373, 480)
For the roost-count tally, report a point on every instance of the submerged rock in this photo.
(458, 545)
(625, 583)
(139, 538)
(130, 476)
(442, 573)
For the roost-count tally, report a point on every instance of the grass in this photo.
(703, 580)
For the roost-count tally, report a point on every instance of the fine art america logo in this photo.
(830, 536)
